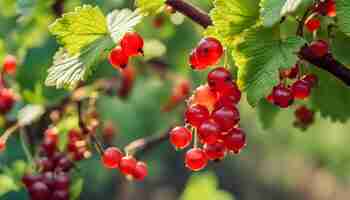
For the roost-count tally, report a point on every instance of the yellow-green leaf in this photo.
(148, 7)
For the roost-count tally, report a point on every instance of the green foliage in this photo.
(260, 54)
(343, 15)
(150, 7)
(341, 48)
(204, 187)
(76, 188)
(267, 113)
(270, 11)
(78, 29)
(10, 178)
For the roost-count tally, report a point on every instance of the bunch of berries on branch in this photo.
(320, 8)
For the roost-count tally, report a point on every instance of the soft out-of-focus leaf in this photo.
(267, 113)
(343, 15)
(341, 47)
(29, 114)
(148, 7)
(154, 49)
(76, 188)
(7, 184)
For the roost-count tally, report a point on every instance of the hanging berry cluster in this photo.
(212, 118)
(113, 158)
(130, 45)
(304, 117)
(52, 180)
(320, 8)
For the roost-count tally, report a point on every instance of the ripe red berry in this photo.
(180, 137)
(282, 96)
(28, 180)
(7, 100)
(235, 140)
(118, 58)
(204, 96)
(291, 73)
(141, 171)
(209, 132)
(196, 115)
(46, 164)
(111, 157)
(60, 195)
(331, 8)
(64, 164)
(209, 51)
(226, 117)
(51, 134)
(194, 61)
(326, 8)
(311, 79)
(195, 159)
(304, 115)
(313, 24)
(218, 78)
(127, 165)
(132, 44)
(319, 48)
(301, 89)
(62, 181)
(39, 191)
(229, 94)
(49, 147)
(2, 145)
(215, 151)
(10, 64)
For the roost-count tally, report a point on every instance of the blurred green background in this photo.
(281, 162)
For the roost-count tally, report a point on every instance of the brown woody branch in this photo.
(328, 62)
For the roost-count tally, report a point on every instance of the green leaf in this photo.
(341, 47)
(204, 187)
(259, 56)
(331, 97)
(67, 70)
(267, 113)
(76, 189)
(343, 15)
(270, 11)
(76, 30)
(148, 7)
(7, 184)
(232, 17)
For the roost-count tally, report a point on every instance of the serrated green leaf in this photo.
(76, 189)
(259, 56)
(331, 97)
(67, 70)
(148, 7)
(343, 15)
(267, 113)
(76, 30)
(341, 47)
(204, 187)
(232, 17)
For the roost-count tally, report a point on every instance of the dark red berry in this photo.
(301, 89)
(28, 179)
(140, 171)
(311, 79)
(229, 94)
(127, 165)
(209, 132)
(62, 181)
(218, 78)
(49, 179)
(226, 116)
(196, 159)
(290, 73)
(319, 48)
(196, 115)
(60, 195)
(111, 157)
(304, 115)
(118, 58)
(39, 191)
(49, 147)
(46, 164)
(7, 100)
(64, 164)
(282, 96)
(180, 137)
(132, 44)
(10, 64)
(215, 151)
(313, 24)
(235, 140)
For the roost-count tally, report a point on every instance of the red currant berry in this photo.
(311, 79)
(196, 115)
(132, 44)
(194, 61)
(10, 64)
(51, 134)
(209, 132)
(215, 151)
(195, 159)
(180, 137)
(111, 157)
(230, 94)
(226, 116)
(319, 48)
(28, 180)
(313, 24)
(39, 191)
(141, 171)
(64, 164)
(60, 195)
(49, 147)
(301, 89)
(282, 96)
(2, 145)
(204, 96)
(46, 164)
(304, 115)
(62, 181)
(7, 100)
(49, 179)
(127, 165)
(331, 8)
(209, 51)
(218, 78)
(118, 58)
(235, 140)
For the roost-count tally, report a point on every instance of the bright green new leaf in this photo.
(76, 30)
(232, 17)
(204, 187)
(7, 184)
(341, 47)
(259, 56)
(148, 7)
(343, 15)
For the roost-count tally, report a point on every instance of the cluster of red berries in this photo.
(207, 53)
(323, 8)
(113, 158)
(77, 146)
(214, 120)
(283, 95)
(52, 181)
(180, 92)
(304, 117)
(130, 45)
